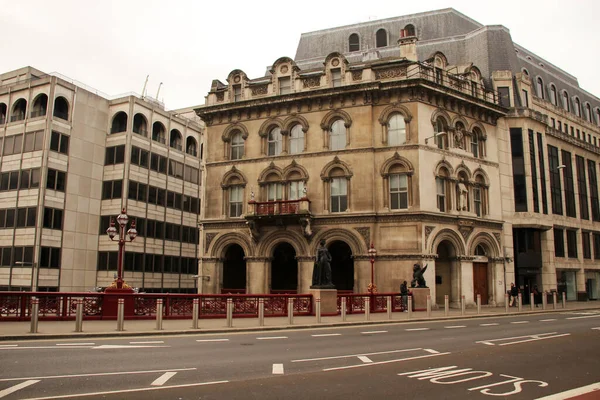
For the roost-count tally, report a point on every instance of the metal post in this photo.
(544, 300)
(554, 300)
(506, 302)
(564, 299)
(531, 301)
(389, 307)
(159, 314)
(446, 305)
(409, 307)
(79, 315)
(520, 300)
(462, 305)
(120, 315)
(229, 312)
(318, 310)
(261, 312)
(478, 304)
(428, 306)
(195, 306)
(291, 311)
(35, 309)
(367, 308)
(343, 310)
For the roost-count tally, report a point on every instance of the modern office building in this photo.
(71, 160)
(434, 138)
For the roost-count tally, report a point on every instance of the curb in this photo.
(200, 331)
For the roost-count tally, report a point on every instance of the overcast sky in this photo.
(111, 45)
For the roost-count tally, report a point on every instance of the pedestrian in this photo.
(536, 294)
(514, 293)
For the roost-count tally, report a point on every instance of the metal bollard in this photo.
(520, 300)
(506, 302)
(35, 309)
(261, 312)
(291, 311)
(79, 315)
(159, 314)
(410, 307)
(531, 301)
(544, 300)
(318, 310)
(428, 306)
(389, 307)
(195, 306)
(554, 300)
(564, 299)
(230, 313)
(446, 305)
(367, 308)
(120, 315)
(478, 304)
(462, 305)
(344, 309)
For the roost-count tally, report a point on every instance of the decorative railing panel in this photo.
(355, 303)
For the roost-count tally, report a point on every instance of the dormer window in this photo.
(285, 85)
(336, 77)
(381, 38)
(237, 93)
(354, 42)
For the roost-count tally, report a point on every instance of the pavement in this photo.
(20, 330)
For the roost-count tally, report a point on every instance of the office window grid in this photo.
(569, 184)
(534, 180)
(584, 212)
(555, 184)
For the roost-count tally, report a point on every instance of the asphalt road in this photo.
(518, 357)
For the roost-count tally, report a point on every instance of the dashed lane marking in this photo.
(277, 369)
(327, 334)
(97, 374)
(163, 379)
(148, 342)
(8, 345)
(357, 355)
(548, 320)
(455, 326)
(520, 322)
(20, 386)
(75, 344)
(493, 324)
(365, 359)
(385, 362)
(596, 329)
(271, 337)
(373, 332)
(417, 329)
(212, 340)
(586, 316)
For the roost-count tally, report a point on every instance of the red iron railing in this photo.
(355, 303)
(280, 207)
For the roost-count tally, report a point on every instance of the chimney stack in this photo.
(408, 45)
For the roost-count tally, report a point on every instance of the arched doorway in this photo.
(342, 266)
(284, 269)
(481, 274)
(234, 270)
(446, 278)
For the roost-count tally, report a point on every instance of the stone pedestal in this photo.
(328, 300)
(111, 299)
(419, 296)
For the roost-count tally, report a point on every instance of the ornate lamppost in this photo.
(372, 253)
(112, 232)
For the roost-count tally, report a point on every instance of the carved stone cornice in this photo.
(258, 259)
(224, 224)
(211, 259)
(571, 140)
(259, 89)
(394, 257)
(305, 258)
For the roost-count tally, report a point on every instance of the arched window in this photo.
(588, 112)
(337, 135)
(191, 146)
(274, 142)
(274, 188)
(237, 146)
(158, 132)
(398, 190)
(354, 42)
(525, 72)
(480, 196)
(3, 109)
(597, 116)
(40, 105)
(175, 141)
(565, 101)
(236, 196)
(540, 88)
(396, 130)
(119, 122)
(233, 185)
(480, 251)
(296, 139)
(577, 107)
(410, 30)
(339, 194)
(336, 178)
(18, 110)
(140, 124)
(440, 130)
(553, 98)
(477, 143)
(441, 183)
(61, 108)
(381, 38)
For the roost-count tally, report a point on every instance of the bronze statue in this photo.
(322, 270)
(418, 280)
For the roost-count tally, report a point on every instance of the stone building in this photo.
(402, 133)
(71, 160)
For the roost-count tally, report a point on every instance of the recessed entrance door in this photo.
(342, 266)
(234, 270)
(480, 281)
(284, 270)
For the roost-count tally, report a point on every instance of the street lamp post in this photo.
(122, 220)
(372, 253)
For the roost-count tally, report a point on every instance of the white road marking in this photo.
(417, 329)
(385, 362)
(75, 344)
(373, 332)
(327, 334)
(148, 342)
(596, 329)
(432, 351)
(212, 340)
(455, 326)
(356, 355)
(43, 347)
(573, 392)
(8, 345)
(125, 346)
(271, 337)
(587, 316)
(277, 369)
(98, 374)
(365, 359)
(520, 322)
(20, 386)
(492, 324)
(548, 320)
(535, 339)
(163, 378)
(128, 390)
(527, 338)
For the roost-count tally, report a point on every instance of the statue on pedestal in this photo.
(418, 280)
(322, 270)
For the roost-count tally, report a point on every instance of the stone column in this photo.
(580, 279)
(305, 271)
(548, 262)
(210, 267)
(257, 277)
(466, 280)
